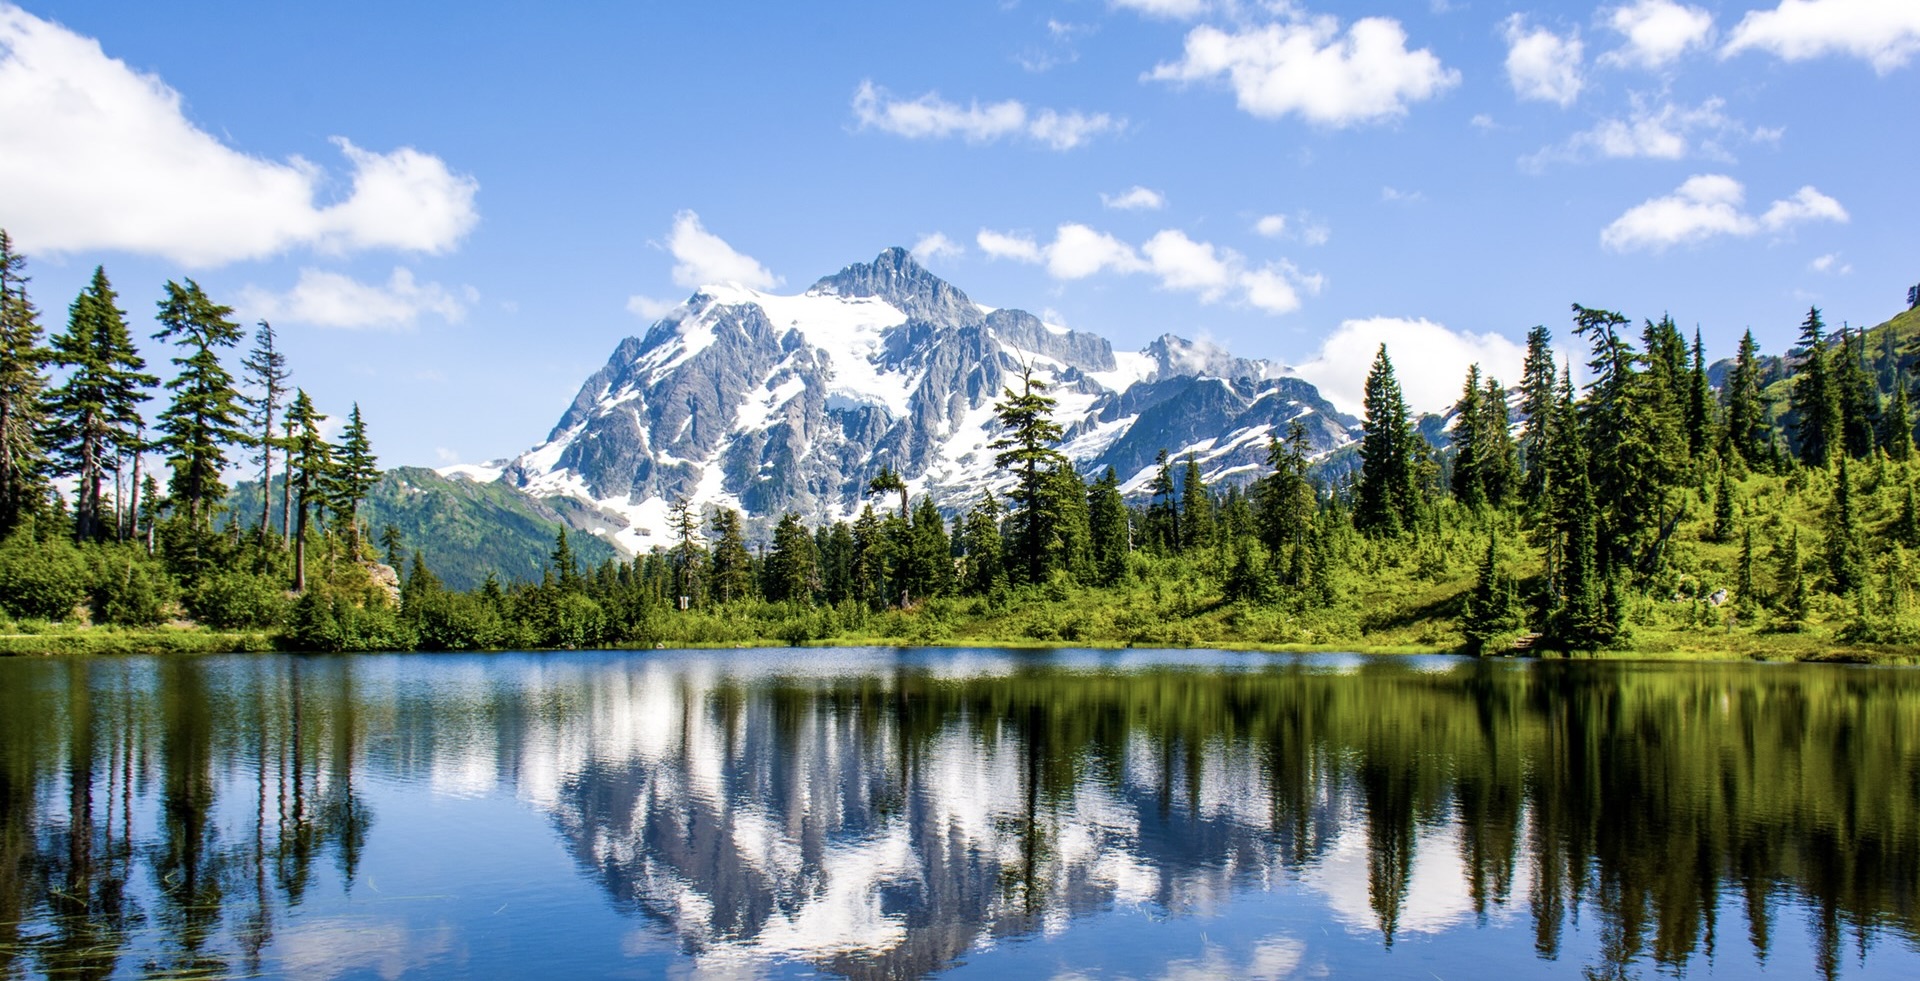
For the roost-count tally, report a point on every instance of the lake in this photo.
(873, 813)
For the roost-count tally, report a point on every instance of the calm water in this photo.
(972, 813)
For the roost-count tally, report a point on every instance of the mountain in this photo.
(772, 403)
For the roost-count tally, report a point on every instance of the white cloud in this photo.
(1657, 32)
(1832, 264)
(701, 257)
(1429, 359)
(95, 155)
(1307, 67)
(648, 308)
(1393, 195)
(1135, 198)
(330, 299)
(1177, 262)
(931, 117)
(1482, 121)
(1884, 33)
(936, 246)
(1663, 131)
(1170, 9)
(1542, 65)
(1302, 227)
(1708, 206)
(1271, 226)
(999, 245)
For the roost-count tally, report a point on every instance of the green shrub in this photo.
(235, 600)
(129, 588)
(42, 580)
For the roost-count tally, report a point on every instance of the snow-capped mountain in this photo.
(770, 403)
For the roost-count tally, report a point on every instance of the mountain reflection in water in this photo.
(874, 814)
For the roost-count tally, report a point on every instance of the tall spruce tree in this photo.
(732, 573)
(1814, 398)
(1386, 499)
(1499, 471)
(1846, 565)
(96, 410)
(1468, 487)
(1285, 507)
(265, 371)
(1746, 419)
(1107, 523)
(1858, 395)
(23, 385)
(1896, 423)
(983, 545)
(1700, 427)
(792, 564)
(355, 472)
(1196, 509)
(1537, 375)
(205, 416)
(1027, 449)
(309, 468)
(1163, 508)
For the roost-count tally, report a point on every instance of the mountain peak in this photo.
(895, 277)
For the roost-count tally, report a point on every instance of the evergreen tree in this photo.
(265, 370)
(1723, 509)
(869, 558)
(687, 551)
(1027, 449)
(309, 467)
(983, 545)
(1859, 401)
(565, 569)
(1065, 528)
(355, 472)
(1107, 523)
(1846, 566)
(1196, 509)
(1499, 471)
(792, 566)
(1896, 423)
(1286, 498)
(1743, 584)
(1699, 402)
(390, 541)
(1746, 420)
(96, 411)
(1468, 488)
(23, 384)
(1386, 498)
(1486, 613)
(1906, 528)
(1814, 397)
(930, 555)
(732, 573)
(836, 562)
(1537, 376)
(205, 415)
(1163, 508)
(888, 480)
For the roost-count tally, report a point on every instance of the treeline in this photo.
(138, 548)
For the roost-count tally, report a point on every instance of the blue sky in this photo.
(454, 213)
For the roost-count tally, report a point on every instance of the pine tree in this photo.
(792, 566)
(1286, 498)
(1537, 375)
(205, 415)
(684, 522)
(265, 370)
(1163, 508)
(1896, 423)
(565, 568)
(983, 545)
(390, 541)
(23, 385)
(96, 411)
(355, 472)
(1486, 613)
(1468, 488)
(930, 556)
(732, 572)
(309, 467)
(1744, 583)
(1107, 522)
(869, 558)
(1859, 401)
(1027, 449)
(1746, 421)
(1846, 565)
(1906, 528)
(888, 480)
(1814, 397)
(1699, 402)
(1499, 471)
(1196, 509)
(1723, 509)
(1065, 528)
(1386, 499)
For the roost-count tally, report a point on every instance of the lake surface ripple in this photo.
(882, 814)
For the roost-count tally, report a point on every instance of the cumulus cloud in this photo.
(1542, 65)
(1708, 206)
(701, 257)
(1169, 9)
(1657, 32)
(330, 299)
(1831, 264)
(1654, 130)
(1271, 226)
(96, 155)
(1135, 198)
(1883, 33)
(930, 117)
(649, 308)
(936, 246)
(1308, 67)
(1301, 227)
(1429, 359)
(1176, 261)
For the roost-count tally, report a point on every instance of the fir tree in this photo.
(1744, 583)
(205, 415)
(1859, 400)
(930, 554)
(1468, 487)
(1896, 423)
(1906, 528)
(1499, 472)
(1723, 509)
(309, 467)
(888, 480)
(1107, 523)
(1814, 398)
(1537, 375)
(1286, 498)
(1699, 402)
(1066, 530)
(1746, 422)
(1027, 449)
(96, 411)
(1386, 498)
(355, 472)
(732, 575)
(792, 565)
(1163, 508)
(1486, 613)
(983, 545)
(684, 522)
(1845, 565)
(565, 568)
(869, 558)
(1196, 509)
(265, 370)
(23, 384)
(390, 541)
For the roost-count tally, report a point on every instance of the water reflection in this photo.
(874, 815)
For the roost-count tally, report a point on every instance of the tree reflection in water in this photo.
(887, 817)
